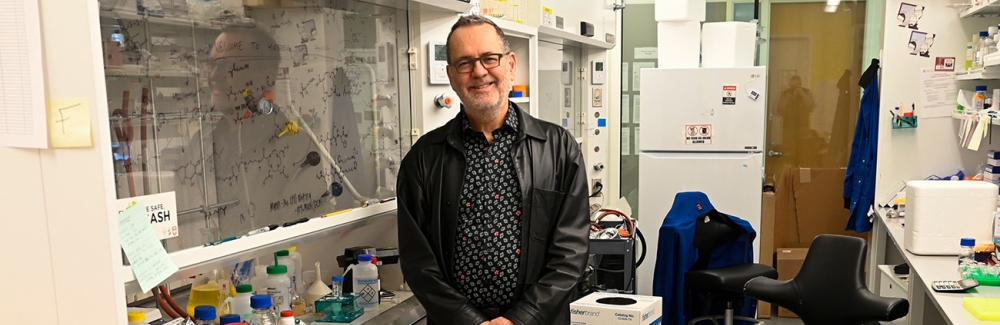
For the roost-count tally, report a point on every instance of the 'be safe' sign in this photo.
(161, 209)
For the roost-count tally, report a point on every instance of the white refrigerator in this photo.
(702, 130)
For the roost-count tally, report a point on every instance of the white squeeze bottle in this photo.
(284, 258)
(241, 303)
(366, 284)
(279, 287)
(259, 280)
(297, 280)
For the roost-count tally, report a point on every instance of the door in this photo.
(814, 62)
(718, 175)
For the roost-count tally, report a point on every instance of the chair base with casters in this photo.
(830, 287)
(726, 284)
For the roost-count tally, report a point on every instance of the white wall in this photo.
(431, 26)
(932, 148)
(63, 242)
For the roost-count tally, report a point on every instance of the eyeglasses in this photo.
(489, 61)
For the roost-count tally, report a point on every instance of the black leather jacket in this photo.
(554, 239)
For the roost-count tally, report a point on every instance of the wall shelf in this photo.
(548, 33)
(517, 29)
(444, 5)
(982, 74)
(990, 9)
(196, 260)
(136, 71)
(172, 21)
(519, 100)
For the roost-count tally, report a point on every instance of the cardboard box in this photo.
(809, 202)
(616, 309)
(788, 265)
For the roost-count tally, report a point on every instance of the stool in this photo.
(726, 284)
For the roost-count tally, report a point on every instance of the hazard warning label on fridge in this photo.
(728, 95)
(698, 134)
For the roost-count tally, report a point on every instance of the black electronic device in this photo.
(955, 286)
(586, 29)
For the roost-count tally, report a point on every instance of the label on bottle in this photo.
(280, 299)
(367, 292)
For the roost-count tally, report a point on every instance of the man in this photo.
(798, 138)
(493, 217)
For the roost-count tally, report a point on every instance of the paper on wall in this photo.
(938, 90)
(636, 70)
(635, 109)
(626, 141)
(626, 108)
(625, 72)
(161, 211)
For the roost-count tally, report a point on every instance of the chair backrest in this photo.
(831, 283)
(712, 229)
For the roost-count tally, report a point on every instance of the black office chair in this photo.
(830, 288)
(713, 230)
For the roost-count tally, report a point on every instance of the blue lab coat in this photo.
(676, 254)
(859, 184)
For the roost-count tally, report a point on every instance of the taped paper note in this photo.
(69, 123)
(150, 262)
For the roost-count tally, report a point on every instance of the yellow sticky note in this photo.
(69, 123)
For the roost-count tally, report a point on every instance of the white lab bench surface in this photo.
(403, 309)
(926, 306)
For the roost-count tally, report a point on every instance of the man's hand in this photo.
(501, 321)
(485, 323)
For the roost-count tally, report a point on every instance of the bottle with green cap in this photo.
(137, 318)
(241, 303)
(279, 286)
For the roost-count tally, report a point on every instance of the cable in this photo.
(170, 300)
(626, 219)
(163, 304)
(598, 187)
(642, 240)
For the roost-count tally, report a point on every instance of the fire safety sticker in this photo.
(728, 95)
(698, 134)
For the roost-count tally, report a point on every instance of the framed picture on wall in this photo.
(906, 14)
(944, 64)
(917, 44)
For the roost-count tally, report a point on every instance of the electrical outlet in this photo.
(593, 185)
(598, 97)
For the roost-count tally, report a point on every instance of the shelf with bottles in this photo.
(143, 71)
(990, 8)
(994, 116)
(197, 260)
(519, 100)
(179, 21)
(980, 74)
